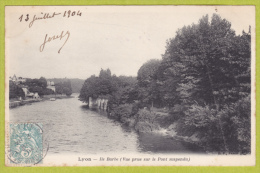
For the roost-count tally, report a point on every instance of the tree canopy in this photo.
(64, 87)
(118, 89)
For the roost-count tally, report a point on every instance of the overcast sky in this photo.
(121, 38)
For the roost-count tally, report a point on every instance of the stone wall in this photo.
(98, 103)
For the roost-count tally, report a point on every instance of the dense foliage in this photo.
(148, 84)
(38, 86)
(76, 84)
(208, 67)
(15, 91)
(64, 88)
(119, 90)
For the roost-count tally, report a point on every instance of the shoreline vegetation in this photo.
(16, 102)
(155, 121)
(199, 91)
(159, 124)
(26, 90)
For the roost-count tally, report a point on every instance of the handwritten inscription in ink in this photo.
(44, 16)
(55, 37)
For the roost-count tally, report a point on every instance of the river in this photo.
(70, 127)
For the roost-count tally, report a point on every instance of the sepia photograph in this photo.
(130, 85)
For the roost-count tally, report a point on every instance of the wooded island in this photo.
(199, 90)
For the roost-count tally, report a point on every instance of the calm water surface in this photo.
(69, 127)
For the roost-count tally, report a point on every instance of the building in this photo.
(36, 96)
(18, 80)
(27, 93)
(51, 85)
(21, 80)
(14, 78)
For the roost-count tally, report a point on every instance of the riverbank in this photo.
(72, 128)
(154, 121)
(22, 102)
(16, 103)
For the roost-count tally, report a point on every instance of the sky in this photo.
(120, 38)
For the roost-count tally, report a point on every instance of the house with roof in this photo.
(17, 80)
(14, 78)
(51, 85)
(27, 93)
(21, 80)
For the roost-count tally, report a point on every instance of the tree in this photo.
(42, 82)
(119, 90)
(37, 89)
(124, 90)
(206, 67)
(58, 88)
(90, 88)
(15, 91)
(105, 74)
(148, 83)
(67, 91)
(63, 87)
(48, 91)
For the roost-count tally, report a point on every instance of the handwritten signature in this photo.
(49, 39)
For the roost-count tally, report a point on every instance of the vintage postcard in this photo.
(130, 86)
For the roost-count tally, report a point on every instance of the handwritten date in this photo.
(42, 16)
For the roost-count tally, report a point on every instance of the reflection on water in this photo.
(70, 127)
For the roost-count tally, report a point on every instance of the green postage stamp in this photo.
(26, 143)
